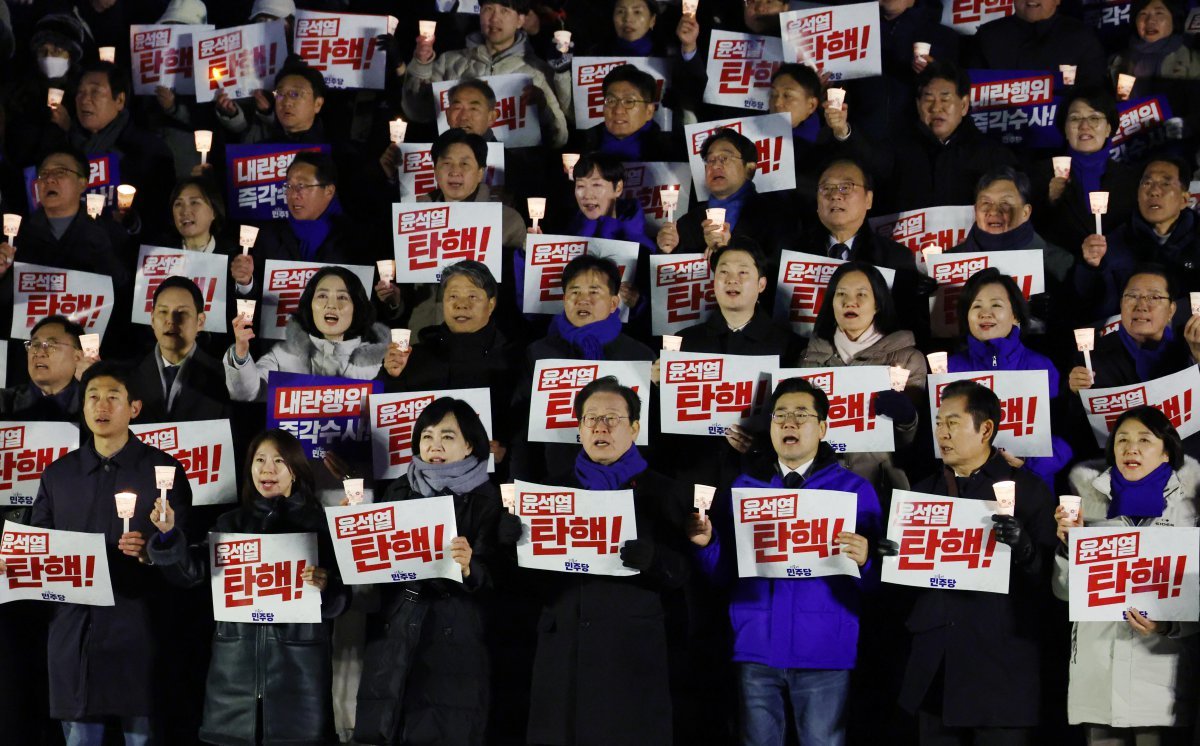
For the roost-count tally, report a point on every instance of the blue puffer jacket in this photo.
(1009, 353)
(800, 623)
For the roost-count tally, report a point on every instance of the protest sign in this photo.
(48, 565)
(284, 284)
(26, 449)
(853, 426)
(555, 384)
(1174, 395)
(1024, 395)
(1152, 569)
(323, 412)
(161, 55)
(394, 415)
(703, 393)
(770, 133)
(83, 297)
(395, 542)
(210, 272)
(343, 47)
(204, 448)
(945, 542)
(430, 235)
(573, 530)
(783, 533)
(257, 578)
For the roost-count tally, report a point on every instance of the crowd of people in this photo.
(684, 650)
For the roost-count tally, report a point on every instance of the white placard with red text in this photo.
(1154, 569)
(256, 578)
(344, 47)
(801, 286)
(555, 384)
(238, 61)
(842, 41)
(740, 67)
(966, 16)
(547, 255)
(572, 530)
(853, 426)
(83, 297)
(644, 181)
(771, 134)
(951, 272)
(947, 226)
(415, 170)
(210, 272)
(703, 393)
(395, 542)
(161, 55)
(26, 449)
(945, 543)
(681, 292)
(284, 282)
(430, 235)
(1175, 395)
(588, 90)
(518, 123)
(394, 415)
(783, 533)
(204, 449)
(48, 565)
(1024, 397)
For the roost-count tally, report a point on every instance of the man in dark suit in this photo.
(179, 381)
(53, 354)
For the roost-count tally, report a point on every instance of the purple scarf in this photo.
(589, 339)
(626, 148)
(616, 475)
(1146, 360)
(808, 129)
(643, 47)
(312, 233)
(1141, 499)
(1087, 169)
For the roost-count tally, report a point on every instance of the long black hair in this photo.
(886, 320)
(364, 312)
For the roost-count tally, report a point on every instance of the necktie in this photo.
(170, 372)
(840, 251)
(793, 480)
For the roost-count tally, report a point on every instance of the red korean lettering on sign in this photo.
(957, 272)
(852, 410)
(30, 564)
(987, 381)
(562, 385)
(1135, 120)
(689, 289)
(770, 154)
(1018, 414)
(810, 282)
(699, 138)
(589, 80)
(376, 542)
(265, 169)
(742, 66)
(320, 44)
(165, 439)
(1002, 94)
(244, 583)
(21, 464)
(24, 542)
(965, 12)
(1116, 570)
(780, 541)
(155, 57)
(702, 393)
(1113, 405)
(922, 548)
(288, 285)
(553, 258)
(82, 308)
(419, 163)
(821, 42)
(398, 418)
(341, 400)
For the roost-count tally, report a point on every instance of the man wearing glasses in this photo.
(629, 130)
(298, 98)
(53, 356)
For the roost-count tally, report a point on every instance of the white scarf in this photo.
(848, 348)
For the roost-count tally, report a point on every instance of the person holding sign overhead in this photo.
(1132, 679)
(806, 660)
(974, 669)
(425, 665)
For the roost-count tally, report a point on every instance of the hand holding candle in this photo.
(670, 200)
(836, 98)
(1194, 299)
(921, 50)
(562, 41)
(1070, 506)
(401, 338)
(508, 497)
(537, 209)
(1099, 204)
(126, 504)
(246, 237)
(164, 479)
(569, 160)
(938, 362)
(54, 97)
(690, 6)
(702, 498)
(354, 491)
(387, 270)
(1006, 497)
(12, 226)
(397, 130)
(95, 205)
(1085, 342)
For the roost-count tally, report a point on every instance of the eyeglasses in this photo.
(43, 346)
(1135, 299)
(782, 418)
(610, 421)
(295, 94)
(612, 102)
(300, 189)
(828, 190)
(57, 174)
(720, 160)
(1095, 121)
(1161, 184)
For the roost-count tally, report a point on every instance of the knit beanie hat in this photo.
(63, 30)
(187, 12)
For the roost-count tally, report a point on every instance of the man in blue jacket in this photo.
(794, 638)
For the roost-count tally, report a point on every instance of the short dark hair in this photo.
(1174, 8)
(118, 371)
(364, 312)
(799, 385)
(1157, 270)
(455, 136)
(1095, 97)
(805, 77)
(651, 6)
(1181, 165)
(611, 168)
(609, 385)
(468, 421)
(75, 154)
(847, 160)
(73, 330)
(310, 74)
(473, 84)
(183, 283)
(976, 282)
(1158, 424)
(981, 403)
(118, 81)
(746, 148)
(943, 70)
(477, 272)
(1006, 173)
(744, 245)
(521, 6)
(321, 162)
(886, 319)
(289, 448)
(210, 194)
(606, 267)
(640, 79)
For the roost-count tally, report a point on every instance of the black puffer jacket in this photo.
(286, 666)
(425, 667)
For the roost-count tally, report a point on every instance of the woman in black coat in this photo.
(425, 667)
(283, 670)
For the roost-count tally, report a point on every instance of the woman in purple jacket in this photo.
(794, 638)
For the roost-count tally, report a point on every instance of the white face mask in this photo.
(54, 67)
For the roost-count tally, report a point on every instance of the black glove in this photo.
(638, 554)
(508, 532)
(1009, 531)
(561, 63)
(896, 405)
(887, 548)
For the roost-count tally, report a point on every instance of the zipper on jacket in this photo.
(259, 674)
(994, 362)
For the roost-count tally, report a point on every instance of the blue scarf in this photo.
(626, 148)
(1146, 57)
(1087, 169)
(1141, 499)
(1012, 240)
(312, 233)
(1146, 360)
(808, 129)
(589, 339)
(643, 47)
(616, 475)
(733, 203)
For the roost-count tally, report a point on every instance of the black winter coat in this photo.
(1012, 44)
(767, 219)
(987, 644)
(200, 392)
(1069, 220)
(425, 666)
(286, 669)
